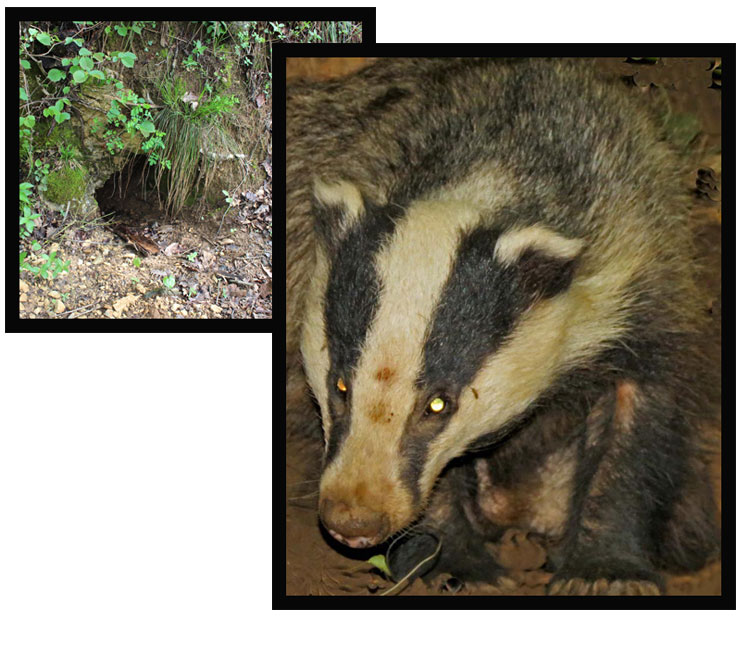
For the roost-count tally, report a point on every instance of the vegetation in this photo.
(95, 94)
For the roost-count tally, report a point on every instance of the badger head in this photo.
(428, 327)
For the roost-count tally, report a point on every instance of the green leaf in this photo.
(84, 51)
(379, 562)
(136, 29)
(127, 59)
(44, 38)
(80, 76)
(25, 186)
(147, 127)
(35, 246)
(25, 64)
(66, 90)
(121, 30)
(65, 61)
(78, 42)
(59, 105)
(86, 63)
(60, 118)
(97, 73)
(55, 74)
(22, 94)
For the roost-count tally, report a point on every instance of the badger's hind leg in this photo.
(636, 476)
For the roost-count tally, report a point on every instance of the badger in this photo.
(491, 282)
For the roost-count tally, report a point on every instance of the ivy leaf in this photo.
(80, 76)
(136, 29)
(127, 59)
(97, 73)
(25, 64)
(60, 118)
(86, 63)
(22, 93)
(66, 61)
(55, 74)
(44, 38)
(121, 30)
(84, 51)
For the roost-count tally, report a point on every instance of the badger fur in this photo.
(491, 282)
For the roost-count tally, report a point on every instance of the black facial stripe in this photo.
(354, 287)
(339, 430)
(480, 303)
(414, 453)
(350, 304)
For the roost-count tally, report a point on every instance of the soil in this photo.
(317, 565)
(123, 261)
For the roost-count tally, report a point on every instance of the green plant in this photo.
(192, 256)
(193, 134)
(51, 267)
(168, 282)
(137, 262)
(27, 213)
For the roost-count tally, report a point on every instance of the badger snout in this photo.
(354, 525)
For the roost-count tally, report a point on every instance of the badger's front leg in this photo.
(632, 471)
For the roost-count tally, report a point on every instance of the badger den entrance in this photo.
(130, 200)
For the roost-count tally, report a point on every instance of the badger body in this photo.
(491, 282)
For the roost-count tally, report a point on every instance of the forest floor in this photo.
(136, 262)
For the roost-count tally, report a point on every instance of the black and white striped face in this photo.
(428, 327)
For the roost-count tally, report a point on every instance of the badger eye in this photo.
(341, 385)
(436, 405)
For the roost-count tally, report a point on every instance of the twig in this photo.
(85, 306)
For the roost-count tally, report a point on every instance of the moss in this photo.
(66, 184)
(63, 133)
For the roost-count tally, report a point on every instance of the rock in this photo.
(23, 287)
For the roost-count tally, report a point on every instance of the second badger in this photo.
(501, 325)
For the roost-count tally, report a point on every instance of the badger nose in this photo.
(355, 526)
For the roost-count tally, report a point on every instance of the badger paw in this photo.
(414, 557)
(578, 586)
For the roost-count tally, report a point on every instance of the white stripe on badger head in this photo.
(313, 343)
(413, 265)
(513, 243)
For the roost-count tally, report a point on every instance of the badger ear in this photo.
(341, 195)
(544, 258)
(336, 207)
